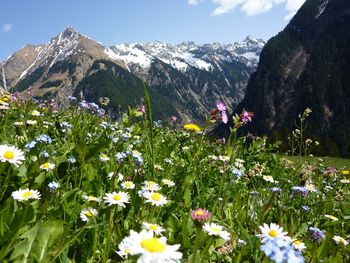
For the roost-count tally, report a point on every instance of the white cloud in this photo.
(252, 7)
(6, 28)
(194, 2)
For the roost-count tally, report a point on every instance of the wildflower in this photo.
(317, 234)
(119, 198)
(158, 167)
(31, 122)
(104, 101)
(271, 232)
(345, 172)
(301, 190)
(25, 194)
(150, 248)
(310, 187)
(119, 178)
(305, 208)
(88, 213)
(44, 154)
(91, 198)
(216, 230)
(71, 159)
(35, 113)
(345, 181)
(200, 215)
(298, 245)
(137, 156)
(333, 218)
(173, 119)
(246, 116)
(11, 154)
(192, 127)
(221, 106)
(124, 250)
(339, 240)
(280, 250)
(103, 157)
(128, 185)
(156, 229)
(276, 190)
(268, 178)
(168, 182)
(155, 198)
(18, 123)
(53, 185)
(47, 166)
(150, 186)
(30, 145)
(224, 158)
(236, 173)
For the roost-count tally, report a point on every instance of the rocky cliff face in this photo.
(306, 65)
(189, 77)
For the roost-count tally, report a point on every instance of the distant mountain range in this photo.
(185, 80)
(306, 66)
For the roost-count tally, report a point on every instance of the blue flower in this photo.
(317, 235)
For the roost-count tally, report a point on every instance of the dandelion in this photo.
(333, 218)
(192, 127)
(103, 157)
(88, 213)
(47, 166)
(200, 215)
(345, 172)
(155, 198)
(11, 154)
(168, 182)
(271, 232)
(155, 228)
(215, 230)
(25, 194)
(120, 198)
(150, 248)
(339, 240)
(128, 185)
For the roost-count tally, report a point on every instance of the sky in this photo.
(126, 21)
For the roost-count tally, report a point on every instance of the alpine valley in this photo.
(185, 80)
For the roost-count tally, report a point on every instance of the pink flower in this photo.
(246, 116)
(200, 215)
(224, 117)
(221, 106)
(173, 119)
(142, 108)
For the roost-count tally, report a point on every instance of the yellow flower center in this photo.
(153, 227)
(153, 245)
(89, 214)
(128, 184)
(117, 197)
(104, 156)
(156, 197)
(216, 229)
(199, 213)
(297, 242)
(273, 233)
(27, 194)
(10, 155)
(46, 165)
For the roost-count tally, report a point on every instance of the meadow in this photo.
(76, 186)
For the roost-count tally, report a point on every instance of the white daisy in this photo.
(25, 194)
(151, 249)
(168, 182)
(150, 186)
(272, 231)
(120, 177)
(155, 198)
(339, 240)
(216, 230)
(31, 122)
(47, 166)
(91, 198)
(268, 178)
(155, 228)
(124, 250)
(87, 213)
(128, 185)
(119, 198)
(103, 157)
(11, 154)
(298, 245)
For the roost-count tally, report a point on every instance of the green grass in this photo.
(339, 163)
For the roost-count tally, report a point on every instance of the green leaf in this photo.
(36, 242)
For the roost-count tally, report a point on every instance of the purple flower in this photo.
(200, 215)
(317, 235)
(246, 116)
(224, 117)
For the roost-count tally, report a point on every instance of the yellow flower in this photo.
(345, 172)
(192, 127)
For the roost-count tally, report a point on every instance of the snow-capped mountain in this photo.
(187, 79)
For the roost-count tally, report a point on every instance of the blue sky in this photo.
(123, 21)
